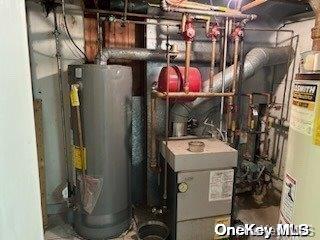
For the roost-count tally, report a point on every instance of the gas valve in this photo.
(238, 32)
(214, 31)
(189, 31)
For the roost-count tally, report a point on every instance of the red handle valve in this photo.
(190, 31)
(238, 32)
(214, 31)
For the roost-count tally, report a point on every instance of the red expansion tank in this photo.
(176, 79)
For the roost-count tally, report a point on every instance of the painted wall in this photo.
(304, 43)
(46, 87)
(20, 211)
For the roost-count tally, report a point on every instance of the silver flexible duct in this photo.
(256, 59)
(142, 54)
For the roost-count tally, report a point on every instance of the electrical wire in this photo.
(68, 33)
(62, 26)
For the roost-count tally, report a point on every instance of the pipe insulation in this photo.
(256, 59)
(143, 54)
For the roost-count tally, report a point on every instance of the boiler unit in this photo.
(200, 186)
(105, 96)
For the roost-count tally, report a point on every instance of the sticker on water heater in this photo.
(288, 199)
(221, 185)
(303, 108)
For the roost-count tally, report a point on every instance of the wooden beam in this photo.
(91, 45)
(37, 105)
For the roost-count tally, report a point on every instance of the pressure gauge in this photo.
(183, 187)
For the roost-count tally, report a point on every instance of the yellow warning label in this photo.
(304, 104)
(74, 96)
(303, 109)
(79, 157)
(316, 129)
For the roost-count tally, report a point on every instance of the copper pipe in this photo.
(187, 66)
(164, 95)
(213, 61)
(236, 62)
(183, 23)
(233, 87)
(207, 26)
(150, 16)
(214, 12)
(252, 5)
(200, 6)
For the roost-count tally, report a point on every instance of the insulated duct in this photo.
(256, 59)
(142, 54)
(315, 4)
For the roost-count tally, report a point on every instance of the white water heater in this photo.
(301, 195)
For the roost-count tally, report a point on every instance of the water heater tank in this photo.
(300, 193)
(105, 97)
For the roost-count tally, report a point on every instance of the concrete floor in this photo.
(251, 209)
(59, 230)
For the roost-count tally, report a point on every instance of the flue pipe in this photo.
(315, 4)
(256, 59)
(143, 54)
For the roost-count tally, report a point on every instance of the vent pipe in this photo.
(256, 59)
(315, 4)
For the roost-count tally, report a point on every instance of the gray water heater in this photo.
(105, 96)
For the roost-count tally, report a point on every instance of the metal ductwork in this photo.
(315, 4)
(142, 54)
(256, 59)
